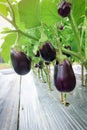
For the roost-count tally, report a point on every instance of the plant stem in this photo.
(38, 73)
(17, 29)
(71, 53)
(13, 14)
(61, 97)
(75, 30)
(64, 99)
(27, 35)
(42, 76)
(48, 74)
(23, 33)
(82, 74)
(6, 18)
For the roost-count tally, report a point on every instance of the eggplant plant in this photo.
(35, 22)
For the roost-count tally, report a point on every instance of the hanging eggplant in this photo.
(64, 8)
(20, 62)
(64, 77)
(48, 52)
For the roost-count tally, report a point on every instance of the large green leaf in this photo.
(78, 10)
(49, 13)
(30, 12)
(2, 0)
(9, 40)
(3, 9)
(17, 16)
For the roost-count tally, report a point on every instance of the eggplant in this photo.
(64, 77)
(64, 8)
(20, 62)
(48, 52)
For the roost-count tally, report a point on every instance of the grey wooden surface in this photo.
(9, 96)
(40, 109)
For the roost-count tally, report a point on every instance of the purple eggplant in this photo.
(20, 62)
(64, 8)
(48, 52)
(64, 77)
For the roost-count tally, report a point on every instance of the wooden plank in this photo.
(41, 109)
(9, 99)
(30, 111)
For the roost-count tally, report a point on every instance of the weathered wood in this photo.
(9, 98)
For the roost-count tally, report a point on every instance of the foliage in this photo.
(36, 21)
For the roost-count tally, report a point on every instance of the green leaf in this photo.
(2, 0)
(29, 11)
(3, 9)
(78, 10)
(22, 40)
(9, 40)
(49, 13)
(17, 16)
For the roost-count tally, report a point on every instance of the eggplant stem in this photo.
(38, 73)
(64, 99)
(82, 74)
(48, 76)
(61, 97)
(43, 80)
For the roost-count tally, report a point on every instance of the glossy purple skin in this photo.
(20, 62)
(64, 77)
(48, 52)
(64, 9)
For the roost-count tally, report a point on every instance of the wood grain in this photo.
(9, 97)
(40, 109)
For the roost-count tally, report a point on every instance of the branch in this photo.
(23, 33)
(9, 31)
(13, 14)
(71, 53)
(75, 30)
(17, 30)
(6, 18)
(27, 35)
(11, 22)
